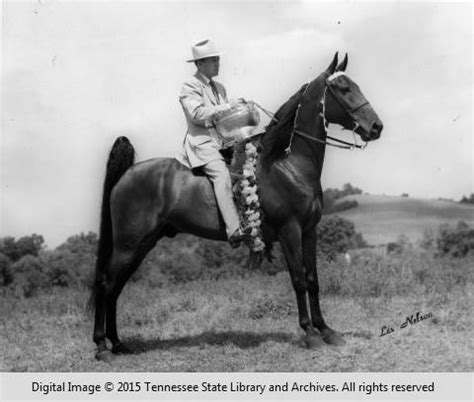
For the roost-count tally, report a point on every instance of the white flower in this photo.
(255, 215)
(252, 190)
(246, 191)
(251, 198)
(249, 193)
(249, 147)
(258, 244)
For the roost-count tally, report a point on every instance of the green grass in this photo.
(382, 219)
(250, 323)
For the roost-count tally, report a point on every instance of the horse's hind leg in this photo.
(123, 264)
(309, 257)
(99, 323)
(119, 268)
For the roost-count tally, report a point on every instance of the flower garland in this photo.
(252, 215)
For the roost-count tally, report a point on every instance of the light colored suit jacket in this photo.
(201, 107)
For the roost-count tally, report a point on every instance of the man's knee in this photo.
(217, 171)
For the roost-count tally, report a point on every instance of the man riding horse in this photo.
(204, 101)
(147, 201)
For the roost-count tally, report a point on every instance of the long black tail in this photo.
(121, 157)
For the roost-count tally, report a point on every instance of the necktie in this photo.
(214, 89)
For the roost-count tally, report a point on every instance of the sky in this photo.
(75, 75)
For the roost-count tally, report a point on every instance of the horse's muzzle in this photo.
(376, 130)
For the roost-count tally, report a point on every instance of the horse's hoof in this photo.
(313, 341)
(104, 356)
(332, 337)
(120, 348)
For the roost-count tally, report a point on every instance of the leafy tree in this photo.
(81, 243)
(349, 189)
(27, 245)
(331, 195)
(337, 235)
(29, 275)
(465, 200)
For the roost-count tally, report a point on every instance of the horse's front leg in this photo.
(290, 238)
(309, 258)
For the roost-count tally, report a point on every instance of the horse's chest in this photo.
(312, 213)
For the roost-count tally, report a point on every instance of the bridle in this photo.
(350, 112)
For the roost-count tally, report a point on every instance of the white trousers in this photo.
(219, 174)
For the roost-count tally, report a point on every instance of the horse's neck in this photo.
(310, 152)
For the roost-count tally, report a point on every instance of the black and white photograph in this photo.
(236, 187)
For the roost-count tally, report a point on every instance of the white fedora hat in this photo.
(203, 49)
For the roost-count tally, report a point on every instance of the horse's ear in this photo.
(332, 67)
(343, 65)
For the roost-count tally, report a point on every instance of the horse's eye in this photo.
(344, 89)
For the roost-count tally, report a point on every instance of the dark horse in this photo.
(146, 201)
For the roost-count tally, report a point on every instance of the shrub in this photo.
(216, 254)
(341, 206)
(29, 275)
(336, 235)
(80, 244)
(400, 245)
(331, 195)
(456, 242)
(27, 245)
(373, 274)
(51, 268)
(6, 276)
(68, 269)
(184, 269)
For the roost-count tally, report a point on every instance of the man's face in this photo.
(209, 66)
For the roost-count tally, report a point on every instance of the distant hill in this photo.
(382, 218)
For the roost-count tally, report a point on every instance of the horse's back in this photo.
(162, 192)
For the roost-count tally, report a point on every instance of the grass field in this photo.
(382, 218)
(249, 323)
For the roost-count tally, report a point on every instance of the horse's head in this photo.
(347, 106)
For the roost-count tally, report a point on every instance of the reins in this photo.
(347, 145)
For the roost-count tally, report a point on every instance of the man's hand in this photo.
(233, 103)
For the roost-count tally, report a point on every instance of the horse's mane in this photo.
(277, 133)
